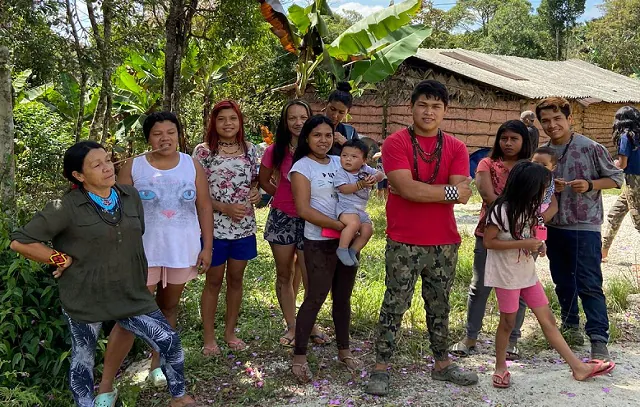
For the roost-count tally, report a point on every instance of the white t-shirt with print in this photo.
(323, 195)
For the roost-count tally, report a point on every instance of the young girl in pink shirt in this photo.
(511, 238)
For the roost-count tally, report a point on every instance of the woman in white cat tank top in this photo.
(174, 191)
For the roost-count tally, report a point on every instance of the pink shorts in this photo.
(170, 275)
(509, 299)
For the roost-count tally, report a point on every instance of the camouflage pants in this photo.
(628, 201)
(404, 264)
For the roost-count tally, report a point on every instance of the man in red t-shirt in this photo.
(428, 173)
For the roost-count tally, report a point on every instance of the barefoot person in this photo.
(96, 232)
(626, 136)
(231, 165)
(177, 207)
(574, 242)
(311, 178)
(284, 229)
(511, 145)
(512, 238)
(428, 173)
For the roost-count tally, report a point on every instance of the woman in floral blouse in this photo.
(231, 165)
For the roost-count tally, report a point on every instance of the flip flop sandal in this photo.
(288, 342)
(157, 378)
(356, 364)
(237, 345)
(597, 368)
(501, 381)
(320, 340)
(305, 376)
(378, 384)
(106, 399)
(461, 350)
(513, 353)
(210, 351)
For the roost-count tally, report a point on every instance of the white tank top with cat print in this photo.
(172, 231)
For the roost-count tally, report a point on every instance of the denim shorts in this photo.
(245, 248)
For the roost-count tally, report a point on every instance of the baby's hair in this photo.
(548, 151)
(359, 144)
(522, 195)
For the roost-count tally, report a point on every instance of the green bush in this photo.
(42, 137)
(34, 345)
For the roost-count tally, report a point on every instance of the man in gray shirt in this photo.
(584, 169)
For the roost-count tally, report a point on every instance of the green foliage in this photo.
(560, 16)
(41, 138)
(513, 30)
(613, 41)
(34, 344)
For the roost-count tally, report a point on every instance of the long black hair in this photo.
(627, 121)
(303, 148)
(522, 195)
(517, 127)
(283, 134)
(74, 159)
(342, 93)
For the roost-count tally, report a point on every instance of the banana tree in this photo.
(366, 53)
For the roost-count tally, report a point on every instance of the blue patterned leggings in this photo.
(153, 328)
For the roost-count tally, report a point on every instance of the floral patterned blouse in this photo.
(230, 182)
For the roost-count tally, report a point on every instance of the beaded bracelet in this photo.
(58, 258)
(451, 193)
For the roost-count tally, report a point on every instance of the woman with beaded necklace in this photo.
(100, 285)
(231, 165)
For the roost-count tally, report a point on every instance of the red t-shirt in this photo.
(417, 223)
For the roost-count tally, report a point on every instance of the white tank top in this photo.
(172, 231)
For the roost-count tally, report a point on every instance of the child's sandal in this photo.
(502, 381)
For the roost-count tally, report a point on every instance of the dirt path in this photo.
(542, 381)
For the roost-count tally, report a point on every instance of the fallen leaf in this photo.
(606, 390)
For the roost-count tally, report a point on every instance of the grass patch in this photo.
(261, 375)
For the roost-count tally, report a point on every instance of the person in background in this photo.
(383, 186)
(574, 243)
(96, 231)
(175, 196)
(284, 229)
(626, 136)
(529, 119)
(231, 165)
(337, 108)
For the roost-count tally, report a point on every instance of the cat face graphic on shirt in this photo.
(169, 202)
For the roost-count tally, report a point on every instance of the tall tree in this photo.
(101, 118)
(476, 13)
(71, 14)
(7, 167)
(560, 17)
(613, 41)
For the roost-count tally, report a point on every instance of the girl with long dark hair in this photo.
(512, 236)
(311, 178)
(284, 228)
(511, 144)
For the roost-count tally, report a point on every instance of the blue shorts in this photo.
(237, 249)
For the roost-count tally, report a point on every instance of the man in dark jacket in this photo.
(529, 119)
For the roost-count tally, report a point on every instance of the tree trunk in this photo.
(178, 29)
(83, 72)
(102, 116)
(7, 165)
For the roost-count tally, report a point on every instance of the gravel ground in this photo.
(624, 253)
